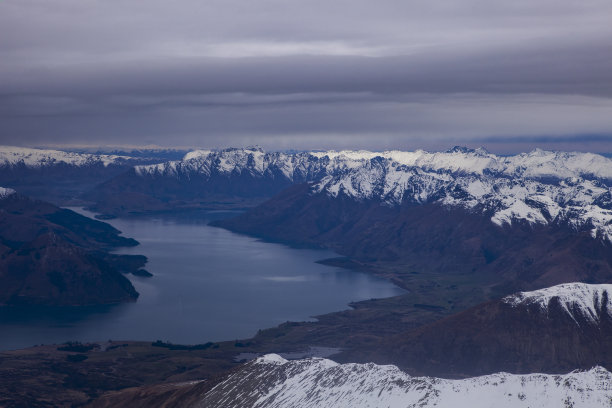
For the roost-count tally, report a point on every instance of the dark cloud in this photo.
(307, 74)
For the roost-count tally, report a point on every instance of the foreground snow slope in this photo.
(272, 381)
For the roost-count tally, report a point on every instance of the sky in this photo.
(318, 74)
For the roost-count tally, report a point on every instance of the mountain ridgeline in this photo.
(274, 382)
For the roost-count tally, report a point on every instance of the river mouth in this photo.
(209, 284)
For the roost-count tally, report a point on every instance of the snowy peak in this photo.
(206, 163)
(542, 163)
(5, 192)
(272, 381)
(462, 149)
(581, 301)
(196, 154)
(13, 156)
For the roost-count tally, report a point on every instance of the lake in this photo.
(209, 284)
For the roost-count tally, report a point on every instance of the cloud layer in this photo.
(319, 74)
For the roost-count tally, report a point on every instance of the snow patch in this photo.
(5, 192)
(271, 359)
(586, 300)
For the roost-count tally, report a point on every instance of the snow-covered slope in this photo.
(581, 203)
(579, 300)
(12, 156)
(272, 381)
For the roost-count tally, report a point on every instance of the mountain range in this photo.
(507, 263)
(536, 187)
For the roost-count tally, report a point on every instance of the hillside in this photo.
(53, 256)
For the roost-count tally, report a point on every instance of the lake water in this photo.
(209, 284)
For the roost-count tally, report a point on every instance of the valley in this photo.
(292, 204)
(246, 246)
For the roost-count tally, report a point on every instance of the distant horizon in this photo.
(103, 148)
(592, 143)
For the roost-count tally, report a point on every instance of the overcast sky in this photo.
(507, 75)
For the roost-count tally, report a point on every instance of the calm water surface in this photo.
(209, 285)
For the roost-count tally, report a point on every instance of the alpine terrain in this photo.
(272, 381)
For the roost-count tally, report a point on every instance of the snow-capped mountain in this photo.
(300, 166)
(581, 203)
(581, 301)
(539, 187)
(271, 381)
(5, 192)
(58, 176)
(252, 161)
(11, 156)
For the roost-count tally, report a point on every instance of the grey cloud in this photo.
(374, 123)
(575, 68)
(316, 74)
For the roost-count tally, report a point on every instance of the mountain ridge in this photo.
(271, 381)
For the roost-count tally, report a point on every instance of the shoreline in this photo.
(312, 317)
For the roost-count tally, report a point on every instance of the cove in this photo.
(209, 284)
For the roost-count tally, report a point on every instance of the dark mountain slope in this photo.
(130, 192)
(53, 256)
(430, 238)
(553, 334)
